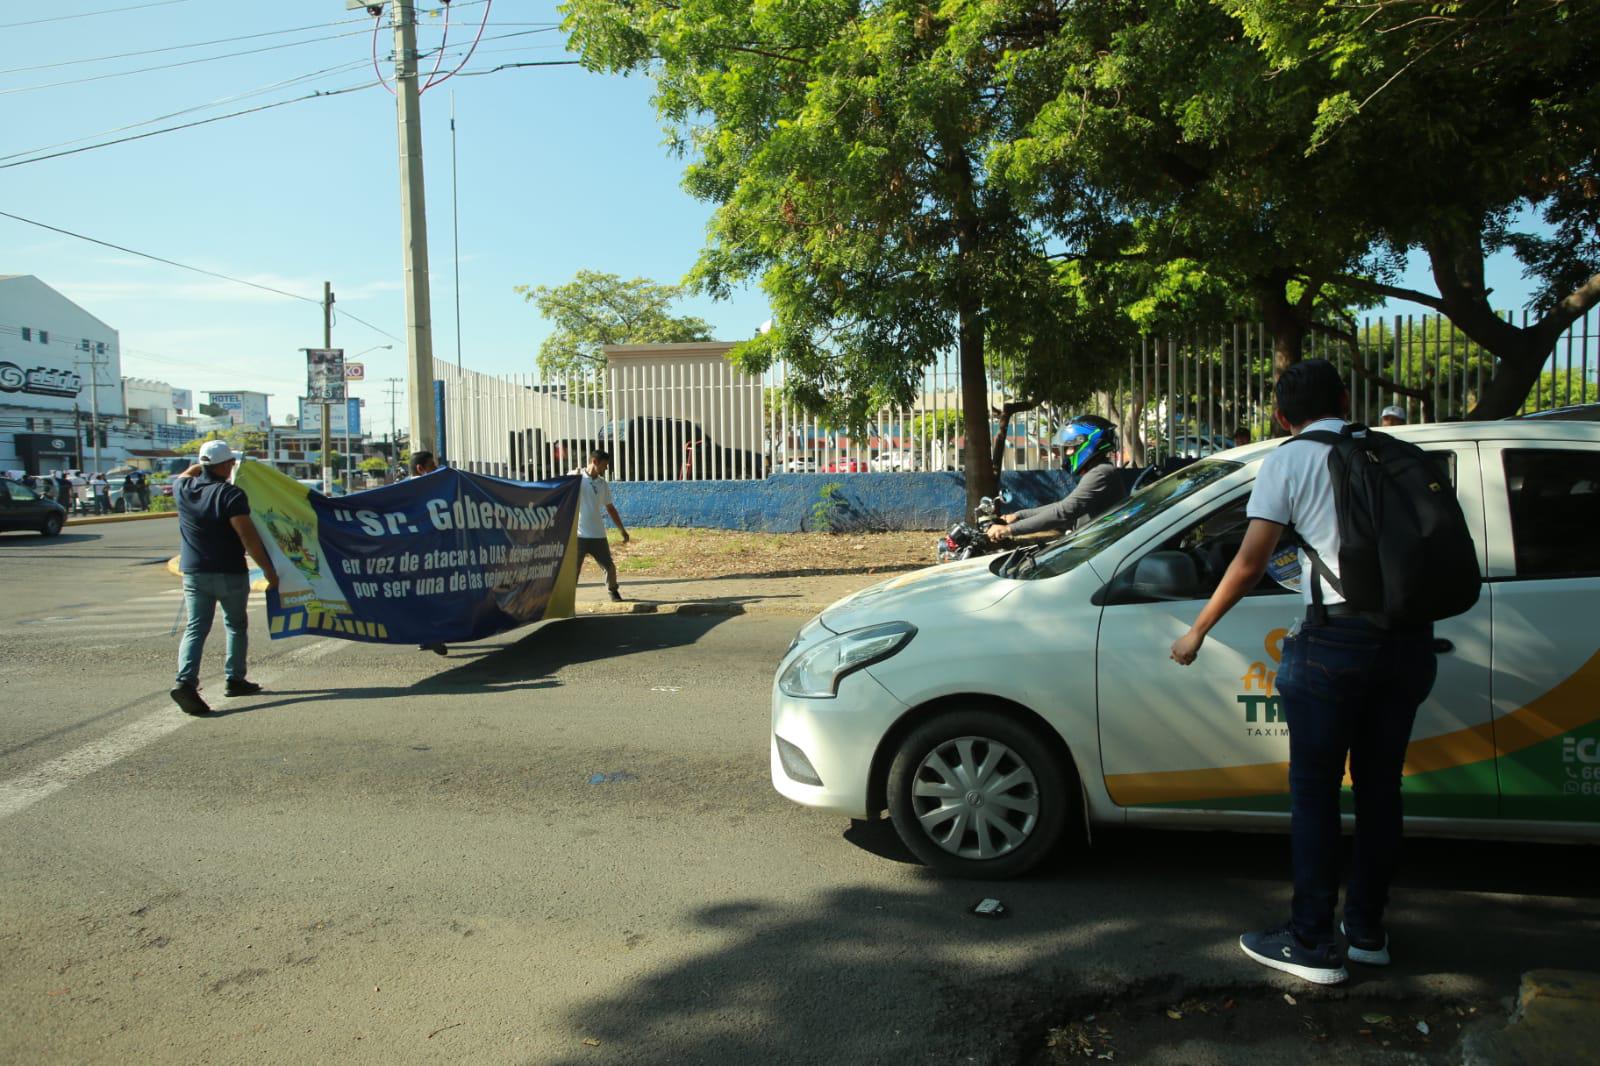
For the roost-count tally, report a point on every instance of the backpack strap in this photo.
(1317, 613)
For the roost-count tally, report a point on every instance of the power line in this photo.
(342, 68)
(89, 14)
(514, 66)
(179, 47)
(158, 259)
(189, 125)
(181, 63)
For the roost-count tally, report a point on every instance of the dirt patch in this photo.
(708, 553)
(1259, 1025)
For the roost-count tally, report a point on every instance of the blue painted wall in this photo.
(785, 503)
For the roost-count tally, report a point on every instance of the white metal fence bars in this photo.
(683, 412)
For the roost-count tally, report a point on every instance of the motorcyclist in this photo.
(1091, 442)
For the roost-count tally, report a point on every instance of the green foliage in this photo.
(595, 309)
(160, 504)
(828, 504)
(240, 438)
(375, 464)
(937, 425)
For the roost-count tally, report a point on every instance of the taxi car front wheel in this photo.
(976, 794)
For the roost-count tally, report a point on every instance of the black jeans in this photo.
(1349, 689)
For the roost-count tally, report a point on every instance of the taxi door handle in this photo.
(1443, 647)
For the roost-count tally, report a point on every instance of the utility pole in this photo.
(87, 347)
(414, 223)
(455, 224)
(393, 393)
(327, 436)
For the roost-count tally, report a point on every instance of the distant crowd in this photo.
(90, 494)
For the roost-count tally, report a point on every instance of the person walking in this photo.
(424, 463)
(100, 489)
(214, 523)
(64, 493)
(595, 496)
(1350, 686)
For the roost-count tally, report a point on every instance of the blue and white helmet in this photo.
(1086, 437)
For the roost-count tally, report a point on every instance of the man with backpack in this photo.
(1355, 671)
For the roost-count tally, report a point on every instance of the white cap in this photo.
(1394, 411)
(214, 452)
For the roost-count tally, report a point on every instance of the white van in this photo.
(989, 705)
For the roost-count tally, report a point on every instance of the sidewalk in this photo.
(791, 593)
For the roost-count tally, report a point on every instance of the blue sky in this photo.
(560, 170)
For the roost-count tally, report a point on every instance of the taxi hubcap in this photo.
(975, 798)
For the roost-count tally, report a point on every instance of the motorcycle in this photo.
(967, 539)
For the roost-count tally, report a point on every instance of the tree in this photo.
(595, 309)
(1503, 100)
(846, 147)
(374, 464)
(242, 439)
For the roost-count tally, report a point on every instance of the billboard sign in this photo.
(325, 375)
(182, 400)
(355, 371)
(340, 416)
(244, 408)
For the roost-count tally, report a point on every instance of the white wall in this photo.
(50, 371)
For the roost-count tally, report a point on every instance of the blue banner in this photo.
(443, 558)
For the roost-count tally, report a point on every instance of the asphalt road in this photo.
(562, 847)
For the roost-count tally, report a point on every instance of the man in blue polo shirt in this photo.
(214, 522)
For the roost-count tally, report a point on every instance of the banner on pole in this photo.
(325, 375)
(443, 558)
(355, 371)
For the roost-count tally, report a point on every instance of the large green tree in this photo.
(845, 145)
(1469, 122)
(594, 310)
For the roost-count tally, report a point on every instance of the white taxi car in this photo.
(989, 705)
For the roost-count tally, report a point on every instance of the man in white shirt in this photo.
(594, 496)
(1350, 688)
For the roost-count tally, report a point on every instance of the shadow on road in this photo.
(894, 974)
(531, 662)
(15, 543)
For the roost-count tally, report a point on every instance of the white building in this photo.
(58, 363)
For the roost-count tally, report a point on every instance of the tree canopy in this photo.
(595, 309)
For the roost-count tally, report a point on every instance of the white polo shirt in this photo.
(593, 498)
(1293, 487)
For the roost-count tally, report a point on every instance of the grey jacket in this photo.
(1099, 489)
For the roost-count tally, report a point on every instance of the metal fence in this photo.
(1181, 395)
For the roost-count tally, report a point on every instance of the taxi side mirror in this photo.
(1165, 575)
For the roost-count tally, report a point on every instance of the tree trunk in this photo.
(1285, 323)
(982, 478)
(1007, 410)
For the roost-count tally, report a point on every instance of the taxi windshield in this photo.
(1132, 513)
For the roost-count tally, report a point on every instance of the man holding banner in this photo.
(214, 522)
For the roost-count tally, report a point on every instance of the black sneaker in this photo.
(238, 686)
(1369, 951)
(187, 697)
(1282, 950)
(615, 595)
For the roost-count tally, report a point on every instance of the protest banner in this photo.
(443, 558)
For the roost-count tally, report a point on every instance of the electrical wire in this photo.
(89, 14)
(179, 47)
(515, 66)
(444, 40)
(488, 6)
(377, 21)
(182, 63)
(193, 269)
(189, 125)
(342, 68)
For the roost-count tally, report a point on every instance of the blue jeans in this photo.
(201, 595)
(1349, 689)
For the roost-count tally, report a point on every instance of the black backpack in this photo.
(1406, 555)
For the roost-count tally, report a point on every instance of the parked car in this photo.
(21, 508)
(1198, 447)
(846, 466)
(993, 705)
(895, 461)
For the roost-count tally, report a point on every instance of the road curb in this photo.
(1553, 1022)
(100, 519)
(702, 608)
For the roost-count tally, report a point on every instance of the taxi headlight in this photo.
(816, 673)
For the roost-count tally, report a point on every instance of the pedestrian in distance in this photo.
(1393, 415)
(214, 523)
(1241, 436)
(424, 463)
(1350, 679)
(100, 488)
(594, 503)
(64, 492)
